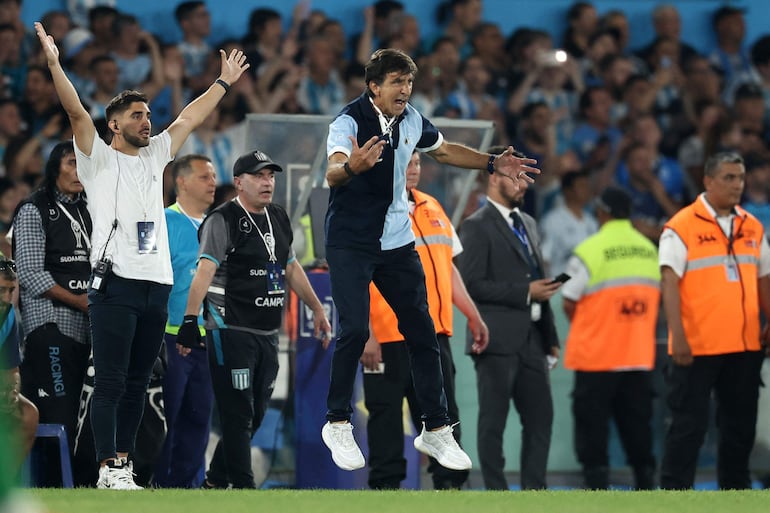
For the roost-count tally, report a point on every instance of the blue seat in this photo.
(58, 431)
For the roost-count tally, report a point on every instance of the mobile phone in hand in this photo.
(562, 278)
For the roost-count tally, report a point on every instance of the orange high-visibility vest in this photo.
(719, 315)
(433, 241)
(613, 328)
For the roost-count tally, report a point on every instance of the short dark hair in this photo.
(384, 61)
(98, 60)
(185, 9)
(748, 91)
(531, 107)
(183, 165)
(615, 201)
(464, 62)
(123, 101)
(383, 8)
(714, 162)
(259, 18)
(612, 32)
(43, 70)
(440, 41)
(724, 12)
(587, 98)
(100, 11)
(760, 51)
(6, 184)
(570, 177)
(122, 21)
(576, 10)
(353, 70)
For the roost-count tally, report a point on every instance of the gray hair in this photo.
(714, 162)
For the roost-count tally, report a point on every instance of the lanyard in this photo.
(79, 229)
(522, 237)
(520, 234)
(386, 125)
(193, 221)
(267, 238)
(143, 184)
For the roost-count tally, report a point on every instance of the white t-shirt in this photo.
(562, 232)
(579, 278)
(136, 184)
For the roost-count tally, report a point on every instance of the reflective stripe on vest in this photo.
(433, 242)
(719, 261)
(613, 328)
(719, 316)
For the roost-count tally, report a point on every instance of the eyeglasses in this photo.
(7, 264)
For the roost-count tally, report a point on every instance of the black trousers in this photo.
(626, 398)
(243, 371)
(52, 375)
(384, 395)
(734, 380)
(399, 277)
(128, 320)
(524, 378)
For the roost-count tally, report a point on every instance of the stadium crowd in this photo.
(591, 110)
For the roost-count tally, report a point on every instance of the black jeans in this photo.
(128, 320)
(399, 276)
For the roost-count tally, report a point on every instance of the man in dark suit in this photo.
(503, 270)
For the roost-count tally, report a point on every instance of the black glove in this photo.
(189, 335)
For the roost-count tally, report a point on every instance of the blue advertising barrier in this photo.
(314, 465)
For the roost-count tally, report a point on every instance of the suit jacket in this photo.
(496, 271)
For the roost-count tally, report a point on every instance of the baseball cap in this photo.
(616, 202)
(253, 162)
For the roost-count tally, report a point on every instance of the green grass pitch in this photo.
(339, 501)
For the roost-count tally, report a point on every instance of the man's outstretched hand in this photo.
(50, 49)
(514, 167)
(232, 66)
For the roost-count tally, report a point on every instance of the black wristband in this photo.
(491, 164)
(224, 84)
(347, 169)
(190, 319)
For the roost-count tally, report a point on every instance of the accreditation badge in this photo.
(731, 268)
(146, 237)
(275, 278)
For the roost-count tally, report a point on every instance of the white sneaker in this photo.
(338, 437)
(117, 475)
(441, 444)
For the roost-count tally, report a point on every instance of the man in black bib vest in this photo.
(245, 263)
